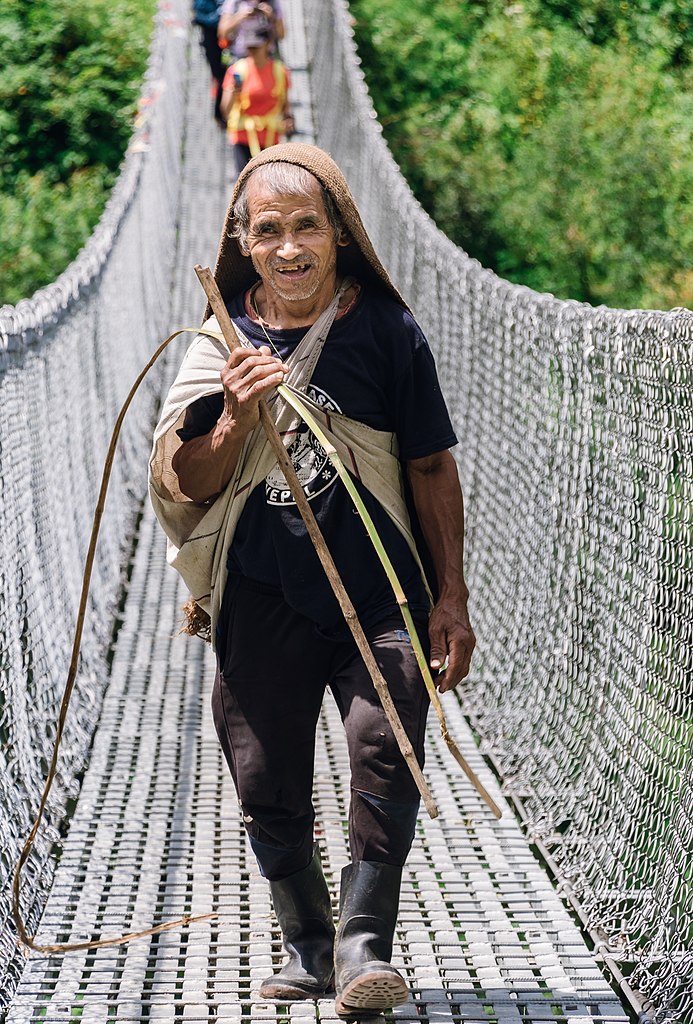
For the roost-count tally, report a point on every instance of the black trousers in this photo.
(273, 668)
(241, 155)
(210, 45)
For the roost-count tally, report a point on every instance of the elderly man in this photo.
(313, 307)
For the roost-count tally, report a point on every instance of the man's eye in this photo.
(307, 225)
(264, 229)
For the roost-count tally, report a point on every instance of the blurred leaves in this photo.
(70, 77)
(553, 141)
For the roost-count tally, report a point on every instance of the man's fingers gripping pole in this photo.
(223, 319)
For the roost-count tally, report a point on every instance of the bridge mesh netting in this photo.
(59, 398)
(576, 461)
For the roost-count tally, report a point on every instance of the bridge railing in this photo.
(576, 457)
(68, 357)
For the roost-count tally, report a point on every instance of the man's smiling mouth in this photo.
(294, 270)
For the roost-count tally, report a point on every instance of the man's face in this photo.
(291, 242)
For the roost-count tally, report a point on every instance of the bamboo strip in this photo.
(23, 936)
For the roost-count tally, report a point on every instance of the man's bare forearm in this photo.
(205, 464)
(440, 507)
(228, 23)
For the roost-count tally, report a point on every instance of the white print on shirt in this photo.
(313, 468)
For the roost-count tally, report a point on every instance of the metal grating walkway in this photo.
(482, 936)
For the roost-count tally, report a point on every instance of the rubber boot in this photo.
(365, 979)
(302, 905)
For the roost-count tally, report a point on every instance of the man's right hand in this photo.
(249, 375)
(205, 464)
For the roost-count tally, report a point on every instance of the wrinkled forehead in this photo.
(284, 187)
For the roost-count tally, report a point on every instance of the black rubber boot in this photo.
(365, 979)
(303, 909)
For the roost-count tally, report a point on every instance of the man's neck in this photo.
(282, 314)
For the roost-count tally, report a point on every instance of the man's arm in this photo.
(438, 499)
(205, 464)
(229, 23)
(228, 98)
(273, 18)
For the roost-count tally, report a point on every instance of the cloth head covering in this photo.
(235, 272)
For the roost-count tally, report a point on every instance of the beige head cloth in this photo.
(234, 272)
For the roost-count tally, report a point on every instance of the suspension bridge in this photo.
(577, 466)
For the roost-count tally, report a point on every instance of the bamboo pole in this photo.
(227, 329)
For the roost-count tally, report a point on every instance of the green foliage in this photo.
(667, 24)
(70, 76)
(44, 224)
(562, 164)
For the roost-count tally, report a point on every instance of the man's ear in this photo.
(344, 237)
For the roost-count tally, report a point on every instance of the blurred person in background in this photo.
(255, 100)
(206, 14)
(241, 18)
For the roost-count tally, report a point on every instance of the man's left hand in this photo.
(452, 640)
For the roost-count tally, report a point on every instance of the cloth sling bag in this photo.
(199, 535)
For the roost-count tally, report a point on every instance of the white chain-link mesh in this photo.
(68, 357)
(577, 466)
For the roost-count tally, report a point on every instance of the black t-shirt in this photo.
(375, 367)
